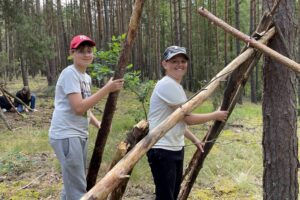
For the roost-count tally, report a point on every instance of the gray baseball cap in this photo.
(172, 51)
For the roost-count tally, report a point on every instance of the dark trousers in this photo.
(166, 167)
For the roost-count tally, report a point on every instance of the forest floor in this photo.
(30, 170)
(38, 177)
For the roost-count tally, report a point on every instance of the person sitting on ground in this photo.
(5, 105)
(27, 97)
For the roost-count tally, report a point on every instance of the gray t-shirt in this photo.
(65, 123)
(166, 93)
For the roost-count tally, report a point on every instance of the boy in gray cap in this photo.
(166, 156)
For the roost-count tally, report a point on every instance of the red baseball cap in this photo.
(78, 39)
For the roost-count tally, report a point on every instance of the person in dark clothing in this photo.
(27, 97)
(5, 104)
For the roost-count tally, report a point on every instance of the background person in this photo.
(27, 97)
(5, 105)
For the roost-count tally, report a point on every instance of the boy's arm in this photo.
(189, 135)
(94, 121)
(80, 105)
(192, 119)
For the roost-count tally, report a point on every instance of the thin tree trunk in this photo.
(111, 102)
(176, 21)
(89, 17)
(252, 24)
(23, 71)
(100, 24)
(107, 23)
(190, 82)
(225, 34)
(63, 47)
(238, 46)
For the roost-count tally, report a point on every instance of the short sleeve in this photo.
(172, 93)
(70, 82)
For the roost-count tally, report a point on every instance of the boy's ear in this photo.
(163, 64)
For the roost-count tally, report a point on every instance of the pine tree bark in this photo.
(252, 25)
(280, 143)
(62, 37)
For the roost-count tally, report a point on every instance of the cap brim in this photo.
(87, 41)
(177, 53)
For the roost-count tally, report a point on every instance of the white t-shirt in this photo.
(166, 93)
(65, 123)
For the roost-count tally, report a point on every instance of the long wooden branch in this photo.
(111, 102)
(250, 41)
(234, 88)
(112, 179)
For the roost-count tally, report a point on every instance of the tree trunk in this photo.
(24, 71)
(99, 24)
(190, 82)
(107, 23)
(238, 46)
(89, 17)
(252, 24)
(62, 37)
(280, 143)
(298, 57)
(176, 21)
(111, 102)
(225, 34)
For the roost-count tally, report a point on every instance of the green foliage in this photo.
(105, 61)
(140, 88)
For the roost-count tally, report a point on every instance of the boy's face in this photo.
(83, 56)
(176, 67)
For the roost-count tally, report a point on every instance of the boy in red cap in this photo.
(68, 132)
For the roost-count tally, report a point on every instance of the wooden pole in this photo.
(111, 102)
(250, 41)
(234, 88)
(112, 179)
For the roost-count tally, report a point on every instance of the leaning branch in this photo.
(250, 41)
